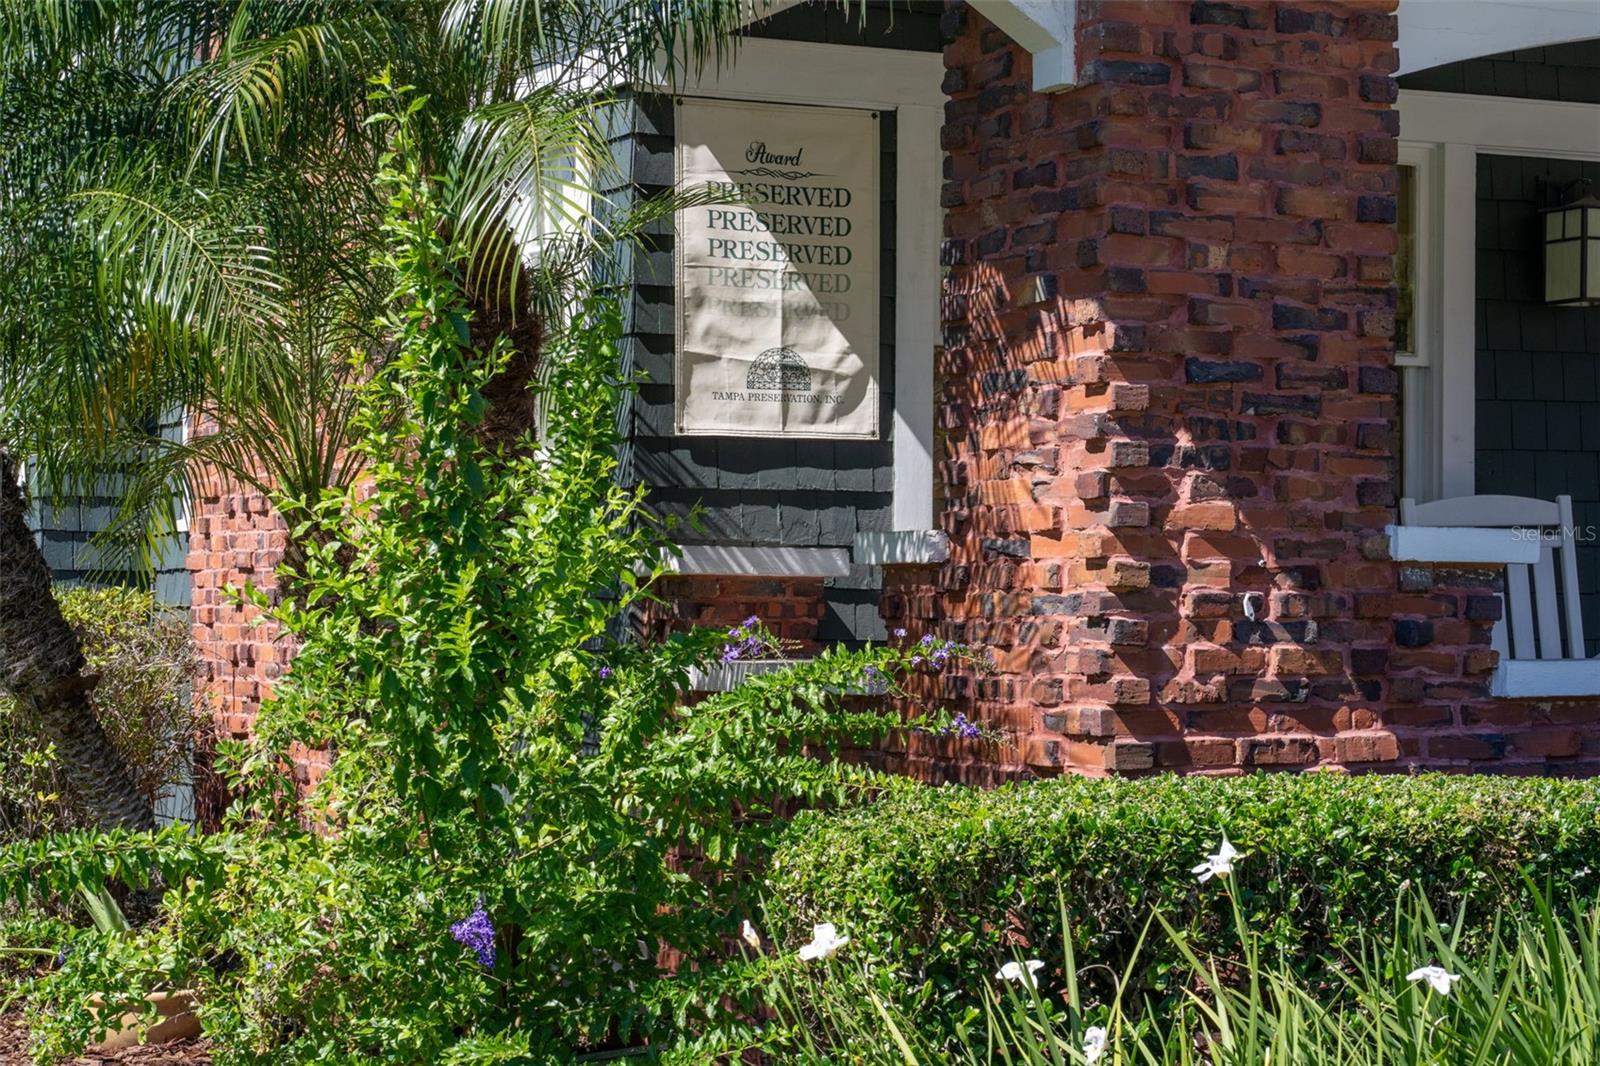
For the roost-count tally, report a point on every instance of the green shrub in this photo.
(525, 824)
(1528, 994)
(143, 659)
(944, 883)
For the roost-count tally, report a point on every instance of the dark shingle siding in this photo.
(1538, 391)
(65, 531)
(66, 527)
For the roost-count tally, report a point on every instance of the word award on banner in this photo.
(777, 279)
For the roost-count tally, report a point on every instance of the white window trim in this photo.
(1453, 129)
(738, 561)
(908, 83)
(1420, 461)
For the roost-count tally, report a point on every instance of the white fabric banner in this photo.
(777, 294)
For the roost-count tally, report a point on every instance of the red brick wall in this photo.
(791, 608)
(918, 599)
(1169, 383)
(1438, 674)
(1166, 383)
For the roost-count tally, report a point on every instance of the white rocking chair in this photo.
(1543, 653)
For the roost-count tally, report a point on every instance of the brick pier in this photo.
(1168, 403)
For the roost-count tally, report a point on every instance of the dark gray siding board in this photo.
(1538, 390)
(66, 529)
(796, 493)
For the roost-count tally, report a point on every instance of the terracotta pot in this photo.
(177, 1021)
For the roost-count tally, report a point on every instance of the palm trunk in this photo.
(41, 667)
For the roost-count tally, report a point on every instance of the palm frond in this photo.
(188, 214)
(294, 441)
(603, 45)
(191, 282)
(523, 170)
(562, 264)
(161, 36)
(309, 79)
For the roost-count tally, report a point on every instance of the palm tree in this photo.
(63, 352)
(186, 219)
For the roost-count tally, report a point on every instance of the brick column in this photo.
(1168, 384)
(235, 539)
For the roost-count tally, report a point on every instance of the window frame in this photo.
(911, 85)
(1419, 368)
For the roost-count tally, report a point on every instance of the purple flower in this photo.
(475, 931)
(927, 638)
(899, 632)
(744, 641)
(961, 726)
(605, 672)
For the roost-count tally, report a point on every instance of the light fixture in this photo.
(1572, 248)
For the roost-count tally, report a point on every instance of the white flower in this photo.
(825, 940)
(1021, 972)
(1094, 1043)
(1437, 976)
(748, 934)
(1218, 865)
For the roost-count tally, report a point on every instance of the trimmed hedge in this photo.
(947, 883)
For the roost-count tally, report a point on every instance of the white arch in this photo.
(1434, 32)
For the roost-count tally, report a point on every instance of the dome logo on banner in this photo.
(778, 368)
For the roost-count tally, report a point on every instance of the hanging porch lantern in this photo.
(1572, 248)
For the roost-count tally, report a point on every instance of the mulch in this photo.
(14, 1050)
